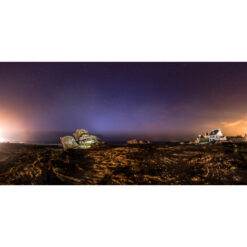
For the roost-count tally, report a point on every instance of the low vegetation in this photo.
(170, 164)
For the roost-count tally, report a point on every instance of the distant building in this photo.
(245, 138)
(216, 135)
(237, 138)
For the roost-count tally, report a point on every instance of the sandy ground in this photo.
(172, 164)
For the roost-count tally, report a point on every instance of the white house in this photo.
(216, 135)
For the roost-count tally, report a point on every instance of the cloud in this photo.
(233, 124)
(237, 127)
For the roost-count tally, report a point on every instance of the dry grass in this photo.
(117, 165)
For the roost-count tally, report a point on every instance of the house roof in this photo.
(214, 132)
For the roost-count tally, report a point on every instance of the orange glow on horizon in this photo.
(234, 128)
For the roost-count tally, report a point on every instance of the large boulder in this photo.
(84, 139)
(81, 140)
(79, 133)
(87, 138)
(69, 142)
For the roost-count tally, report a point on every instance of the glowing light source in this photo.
(2, 139)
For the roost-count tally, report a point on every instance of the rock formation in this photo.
(81, 140)
(68, 142)
(79, 133)
(135, 142)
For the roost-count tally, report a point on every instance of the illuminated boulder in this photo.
(79, 133)
(88, 139)
(81, 140)
(84, 139)
(69, 142)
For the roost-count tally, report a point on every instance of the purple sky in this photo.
(157, 101)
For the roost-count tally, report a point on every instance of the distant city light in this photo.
(2, 139)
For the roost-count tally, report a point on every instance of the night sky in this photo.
(117, 101)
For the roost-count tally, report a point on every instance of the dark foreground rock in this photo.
(117, 165)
